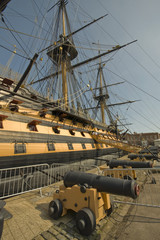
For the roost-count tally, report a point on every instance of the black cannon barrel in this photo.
(117, 186)
(151, 150)
(134, 164)
(147, 156)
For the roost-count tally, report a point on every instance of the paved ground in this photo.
(139, 223)
(28, 219)
(31, 221)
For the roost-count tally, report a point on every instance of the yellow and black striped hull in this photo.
(27, 139)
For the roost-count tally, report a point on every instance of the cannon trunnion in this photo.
(88, 195)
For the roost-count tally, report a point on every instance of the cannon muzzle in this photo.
(105, 184)
(133, 164)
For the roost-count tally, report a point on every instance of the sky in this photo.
(138, 64)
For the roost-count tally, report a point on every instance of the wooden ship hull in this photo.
(30, 136)
(26, 140)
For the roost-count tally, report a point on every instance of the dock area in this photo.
(30, 219)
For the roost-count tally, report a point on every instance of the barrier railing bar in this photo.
(19, 193)
(18, 180)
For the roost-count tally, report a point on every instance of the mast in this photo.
(100, 91)
(63, 51)
(102, 97)
(64, 56)
(32, 61)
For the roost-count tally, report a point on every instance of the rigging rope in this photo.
(14, 52)
(14, 35)
(134, 85)
(25, 34)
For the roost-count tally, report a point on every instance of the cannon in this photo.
(102, 183)
(133, 164)
(88, 195)
(142, 156)
(152, 150)
(115, 168)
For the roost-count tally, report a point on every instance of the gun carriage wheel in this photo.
(55, 209)
(85, 221)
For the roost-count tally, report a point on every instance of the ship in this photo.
(45, 114)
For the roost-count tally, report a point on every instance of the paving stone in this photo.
(58, 229)
(28, 235)
(103, 221)
(62, 226)
(69, 236)
(93, 237)
(39, 237)
(53, 231)
(63, 232)
(20, 237)
(77, 235)
(7, 237)
(61, 237)
(71, 224)
(48, 236)
(70, 230)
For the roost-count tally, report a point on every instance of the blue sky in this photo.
(138, 64)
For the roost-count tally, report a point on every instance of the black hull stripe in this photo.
(54, 157)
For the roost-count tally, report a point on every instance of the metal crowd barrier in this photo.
(18, 180)
(14, 181)
(148, 180)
